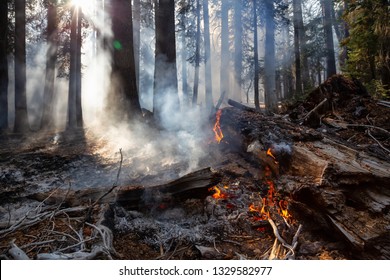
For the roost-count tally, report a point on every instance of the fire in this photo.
(218, 193)
(270, 201)
(269, 153)
(217, 128)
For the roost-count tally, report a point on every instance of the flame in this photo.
(270, 201)
(269, 153)
(218, 194)
(217, 128)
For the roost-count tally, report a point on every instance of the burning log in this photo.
(195, 184)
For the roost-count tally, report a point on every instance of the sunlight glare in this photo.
(85, 5)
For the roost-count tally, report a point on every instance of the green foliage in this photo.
(369, 44)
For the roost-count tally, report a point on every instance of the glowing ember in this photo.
(217, 128)
(218, 194)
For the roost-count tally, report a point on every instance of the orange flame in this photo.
(283, 204)
(269, 153)
(217, 128)
(218, 194)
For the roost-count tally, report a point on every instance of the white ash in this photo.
(173, 226)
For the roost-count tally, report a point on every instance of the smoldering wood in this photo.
(192, 185)
(346, 190)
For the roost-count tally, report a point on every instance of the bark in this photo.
(330, 54)
(269, 58)
(3, 66)
(225, 56)
(166, 98)
(207, 54)
(51, 59)
(125, 105)
(256, 56)
(197, 56)
(21, 116)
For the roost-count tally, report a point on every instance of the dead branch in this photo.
(16, 253)
(241, 106)
(314, 110)
(369, 126)
(377, 141)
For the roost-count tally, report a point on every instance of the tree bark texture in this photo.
(3, 66)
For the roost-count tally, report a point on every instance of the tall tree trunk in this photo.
(297, 51)
(207, 55)
(330, 55)
(256, 56)
(302, 44)
(51, 59)
(124, 93)
(21, 116)
(225, 56)
(183, 54)
(197, 55)
(137, 38)
(269, 58)
(79, 108)
(238, 45)
(166, 99)
(72, 90)
(3, 66)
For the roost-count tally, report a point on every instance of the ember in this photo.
(218, 194)
(217, 128)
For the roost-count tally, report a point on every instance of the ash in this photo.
(194, 222)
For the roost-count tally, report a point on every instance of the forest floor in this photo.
(229, 226)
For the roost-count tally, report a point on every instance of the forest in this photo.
(194, 129)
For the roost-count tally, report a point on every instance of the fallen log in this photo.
(194, 184)
(241, 106)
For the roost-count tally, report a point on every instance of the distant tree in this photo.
(51, 58)
(256, 56)
(72, 90)
(297, 10)
(3, 65)
(137, 37)
(238, 53)
(124, 102)
(330, 54)
(225, 55)
(207, 55)
(79, 108)
(166, 98)
(183, 51)
(269, 57)
(21, 117)
(197, 55)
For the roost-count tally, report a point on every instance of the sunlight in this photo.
(85, 5)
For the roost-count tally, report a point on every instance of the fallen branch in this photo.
(377, 141)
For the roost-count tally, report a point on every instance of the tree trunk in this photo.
(256, 56)
(238, 46)
(51, 59)
(207, 56)
(330, 55)
(269, 58)
(297, 51)
(197, 55)
(225, 56)
(21, 116)
(137, 38)
(183, 54)
(166, 98)
(79, 109)
(3, 66)
(124, 93)
(72, 90)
